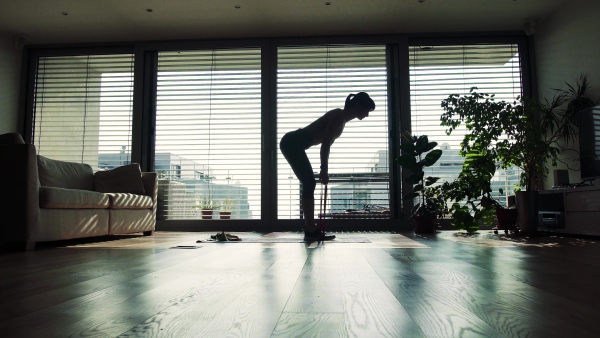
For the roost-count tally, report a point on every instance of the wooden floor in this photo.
(399, 285)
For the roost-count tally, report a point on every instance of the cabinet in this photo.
(575, 210)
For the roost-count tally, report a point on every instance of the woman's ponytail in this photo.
(362, 98)
(348, 99)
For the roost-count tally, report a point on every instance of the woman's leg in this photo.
(296, 157)
(308, 203)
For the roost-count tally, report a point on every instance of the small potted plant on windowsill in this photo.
(207, 207)
(227, 208)
(419, 153)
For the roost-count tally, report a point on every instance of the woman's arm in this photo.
(332, 132)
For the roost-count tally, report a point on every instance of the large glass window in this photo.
(438, 71)
(312, 80)
(209, 148)
(208, 133)
(83, 109)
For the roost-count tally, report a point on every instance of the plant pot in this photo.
(207, 214)
(507, 218)
(527, 207)
(425, 224)
(225, 214)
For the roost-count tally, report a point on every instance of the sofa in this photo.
(42, 199)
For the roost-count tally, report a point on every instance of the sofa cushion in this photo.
(130, 201)
(60, 198)
(68, 175)
(11, 138)
(124, 179)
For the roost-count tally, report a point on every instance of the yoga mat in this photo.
(352, 239)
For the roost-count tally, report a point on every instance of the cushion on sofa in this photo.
(11, 138)
(129, 201)
(125, 179)
(60, 198)
(68, 175)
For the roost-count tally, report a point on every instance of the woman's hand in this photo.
(324, 176)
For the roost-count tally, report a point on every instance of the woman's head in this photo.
(361, 98)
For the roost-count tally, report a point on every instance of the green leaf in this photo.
(432, 157)
(427, 147)
(431, 180)
(417, 188)
(421, 141)
(407, 161)
(409, 148)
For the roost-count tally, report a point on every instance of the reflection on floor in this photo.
(448, 284)
(171, 239)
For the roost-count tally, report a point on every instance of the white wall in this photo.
(10, 78)
(567, 44)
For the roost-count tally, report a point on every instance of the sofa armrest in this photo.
(150, 184)
(151, 187)
(19, 192)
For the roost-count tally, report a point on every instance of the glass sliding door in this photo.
(208, 133)
(438, 71)
(312, 80)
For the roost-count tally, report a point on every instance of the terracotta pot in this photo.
(207, 214)
(225, 214)
(425, 224)
(507, 218)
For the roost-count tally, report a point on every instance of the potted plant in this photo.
(419, 153)
(227, 208)
(207, 207)
(438, 197)
(525, 133)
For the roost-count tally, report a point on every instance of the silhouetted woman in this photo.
(324, 131)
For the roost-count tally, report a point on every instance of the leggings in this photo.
(293, 145)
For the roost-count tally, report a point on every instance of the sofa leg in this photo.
(149, 233)
(29, 246)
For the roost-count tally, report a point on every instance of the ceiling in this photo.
(67, 21)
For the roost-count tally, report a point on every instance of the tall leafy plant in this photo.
(525, 133)
(419, 153)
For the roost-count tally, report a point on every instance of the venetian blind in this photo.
(438, 71)
(312, 80)
(208, 132)
(83, 109)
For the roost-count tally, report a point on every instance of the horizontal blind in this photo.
(208, 132)
(312, 80)
(438, 71)
(83, 109)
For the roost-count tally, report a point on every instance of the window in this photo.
(83, 109)
(438, 71)
(208, 132)
(210, 119)
(312, 80)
